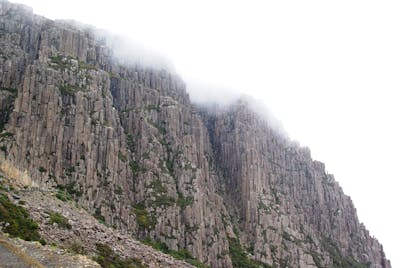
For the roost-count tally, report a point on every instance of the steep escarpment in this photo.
(126, 143)
(290, 209)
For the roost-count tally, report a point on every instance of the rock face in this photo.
(125, 141)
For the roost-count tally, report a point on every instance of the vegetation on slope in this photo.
(239, 256)
(181, 254)
(340, 261)
(61, 221)
(107, 258)
(16, 221)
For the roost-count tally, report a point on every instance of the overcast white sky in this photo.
(329, 70)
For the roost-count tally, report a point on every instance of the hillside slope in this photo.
(127, 144)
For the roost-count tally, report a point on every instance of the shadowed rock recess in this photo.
(127, 144)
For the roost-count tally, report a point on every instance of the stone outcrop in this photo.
(126, 142)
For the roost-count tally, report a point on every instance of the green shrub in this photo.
(6, 134)
(98, 216)
(42, 169)
(316, 259)
(239, 256)
(109, 259)
(61, 62)
(69, 89)
(185, 201)
(19, 224)
(122, 157)
(287, 236)
(158, 186)
(77, 248)
(68, 172)
(134, 167)
(152, 107)
(87, 66)
(164, 200)
(3, 148)
(60, 220)
(63, 195)
(143, 219)
(69, 189)
(130, 142)
(118, 190)
(339, 261)
(113, 75)
(182, 254)
(13, 91)
(170, 166)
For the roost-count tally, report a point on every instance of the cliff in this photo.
(125, 141)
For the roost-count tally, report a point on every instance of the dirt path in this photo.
(12, 257)
(17, 253)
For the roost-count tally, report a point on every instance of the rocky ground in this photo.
(69, 229)
(17, 253)
(86, 231)
(71, 233)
